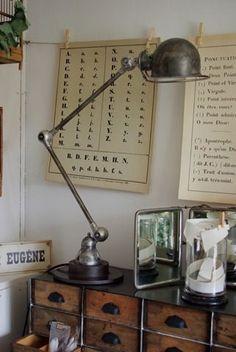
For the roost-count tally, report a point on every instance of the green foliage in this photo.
(11, 31)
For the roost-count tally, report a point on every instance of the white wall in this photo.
(51, 212)
(12, 200)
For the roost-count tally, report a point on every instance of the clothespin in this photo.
(67, 38)
(151, 35)
(222, 218)
(200, 34)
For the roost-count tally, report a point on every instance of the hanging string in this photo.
(66, 40)
(29, 42)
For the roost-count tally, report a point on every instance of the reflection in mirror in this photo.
(157, 246)
(205, 211)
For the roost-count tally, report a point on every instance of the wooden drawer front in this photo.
(112, 307)
(177, 321)
(222, 349)
(110, 337)
(225, 330)
(31, 343)
(160, 343)
(56, 295)
(42, 317)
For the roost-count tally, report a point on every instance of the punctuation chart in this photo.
(209, 136)
(108, 144)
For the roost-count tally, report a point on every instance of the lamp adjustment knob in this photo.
(45, 137)
(101, 234)
(128, 63)
(41, 136)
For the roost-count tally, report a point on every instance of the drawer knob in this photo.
(173, 349)
(111, 308)
(111, 338)
(56, 297)
(175, 322)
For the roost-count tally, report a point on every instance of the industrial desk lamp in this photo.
(174, 60)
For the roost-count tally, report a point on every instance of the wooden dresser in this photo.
(119, 318)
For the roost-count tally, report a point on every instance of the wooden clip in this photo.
(67, 38)
(151, 35)
(200, 34)
(222, 218)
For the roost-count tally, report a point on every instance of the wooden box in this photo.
(16, 56)
(33, 343)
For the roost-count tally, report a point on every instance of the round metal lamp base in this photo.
(194, 298)
(63, 274)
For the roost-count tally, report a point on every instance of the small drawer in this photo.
(160, 343)
(225, 330)
(112, 307)
(56, 295)
(41, 319)
(173, 320)
(109, 336)
(222, 349)
(31, 343)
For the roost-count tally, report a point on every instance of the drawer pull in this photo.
(173, 349)
(56, 297)
(111, 338)
(111, 308)
(175, 322)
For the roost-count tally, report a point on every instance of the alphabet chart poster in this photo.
(208, 165)
(109, 143)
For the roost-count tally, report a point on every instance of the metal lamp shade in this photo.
(175, 60)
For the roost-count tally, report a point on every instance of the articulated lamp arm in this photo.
(46, 137)
(174, 60)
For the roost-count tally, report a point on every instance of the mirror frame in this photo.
(169, 270)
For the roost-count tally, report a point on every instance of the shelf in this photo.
(16, 56)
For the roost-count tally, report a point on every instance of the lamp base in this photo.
(87, 275)
(194, 298)
(99, 271)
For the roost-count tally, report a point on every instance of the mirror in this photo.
(157, 247)
(205, 211)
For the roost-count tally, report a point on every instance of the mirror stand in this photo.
(158, 236)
